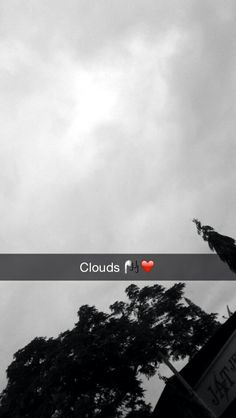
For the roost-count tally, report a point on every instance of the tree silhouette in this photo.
(224, 246)
(96, 369)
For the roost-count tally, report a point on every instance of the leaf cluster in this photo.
(96, 369)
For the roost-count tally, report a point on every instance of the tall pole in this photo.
(190, 390)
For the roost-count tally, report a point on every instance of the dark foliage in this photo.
(224, 246)
(96, 369)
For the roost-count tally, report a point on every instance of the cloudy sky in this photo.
(117, 124)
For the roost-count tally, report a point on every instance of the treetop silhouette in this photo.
(223, 245)
(96, 368)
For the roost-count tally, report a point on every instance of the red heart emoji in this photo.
(147, 265)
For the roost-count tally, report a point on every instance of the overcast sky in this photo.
(117, 128)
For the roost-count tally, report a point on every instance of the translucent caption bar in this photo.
(159, 267)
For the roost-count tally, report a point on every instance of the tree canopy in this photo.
(224, 246)
(96, 368)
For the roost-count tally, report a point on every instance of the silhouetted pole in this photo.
(190, 390)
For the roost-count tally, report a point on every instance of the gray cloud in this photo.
(117, 128)
(154, 154)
